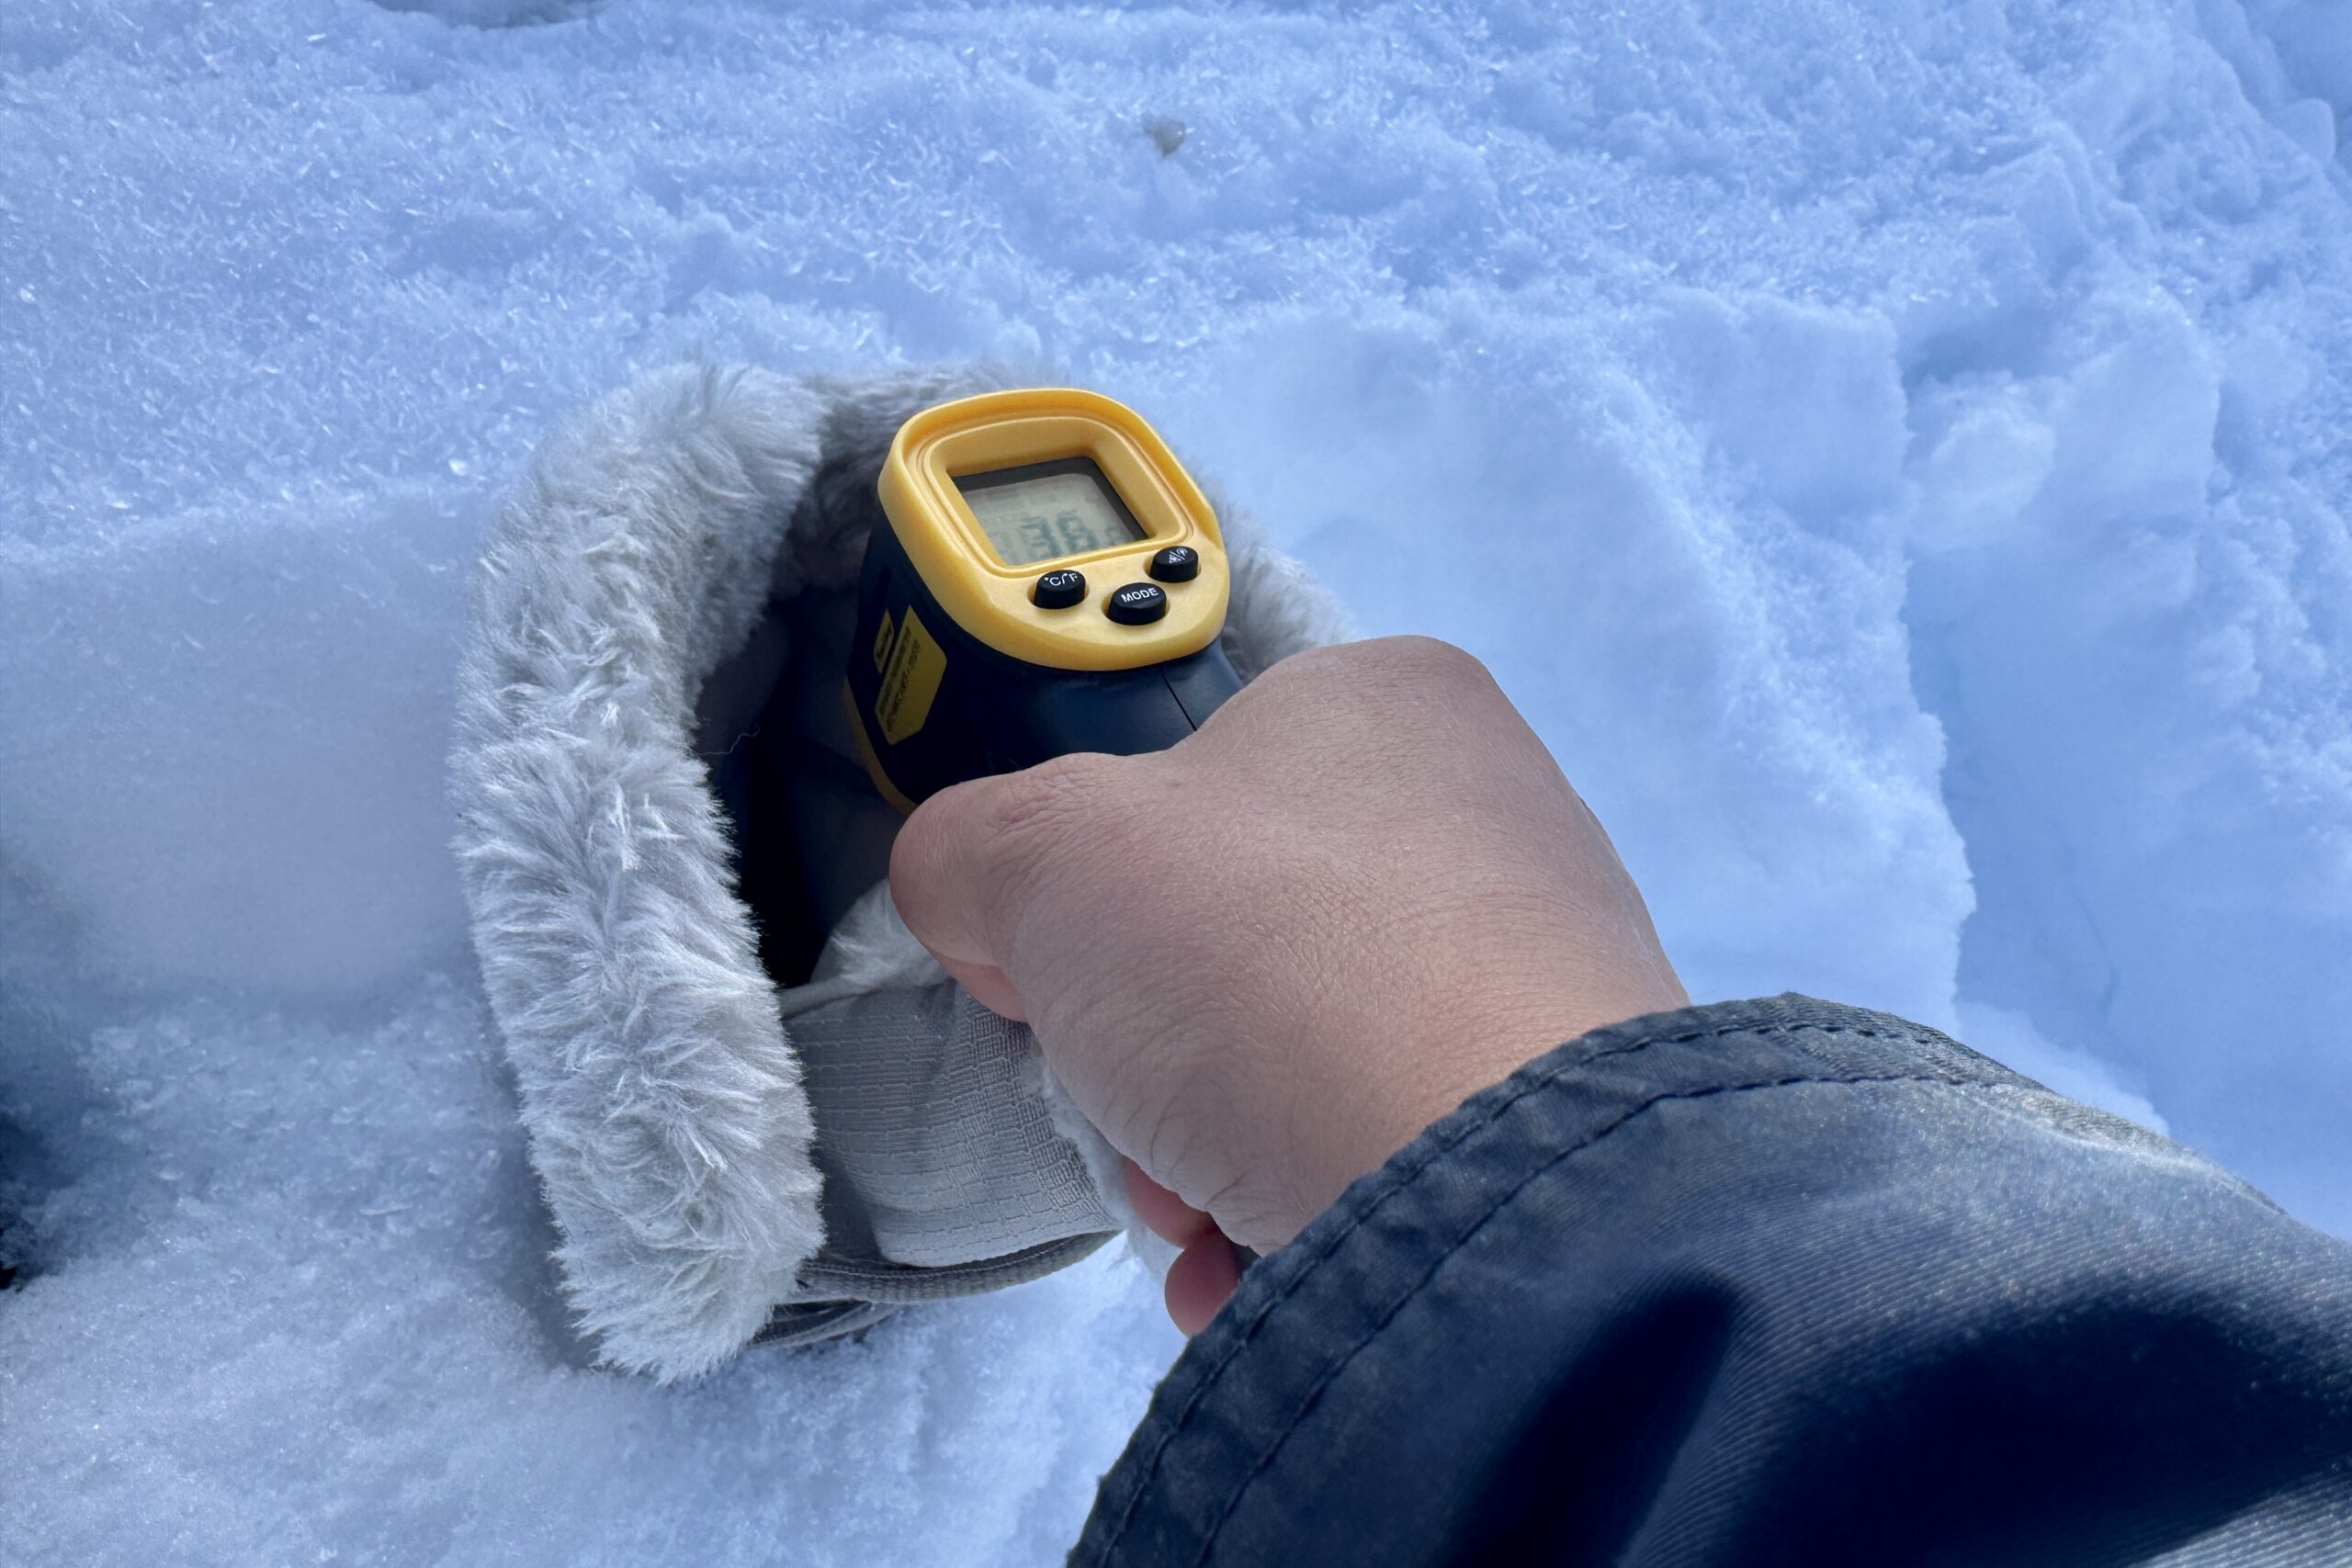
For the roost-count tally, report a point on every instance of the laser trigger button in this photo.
(1059, 590)
(1136, 604)
(1177, 563)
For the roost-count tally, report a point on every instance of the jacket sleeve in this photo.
(1764, 1282)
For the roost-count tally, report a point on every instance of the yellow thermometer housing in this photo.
(1045, 579)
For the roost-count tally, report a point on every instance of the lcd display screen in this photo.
(1041, 511)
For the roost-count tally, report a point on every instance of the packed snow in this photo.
(1899, 454)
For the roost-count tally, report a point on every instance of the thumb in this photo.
(968, 865)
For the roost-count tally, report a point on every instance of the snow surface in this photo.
(1899, 452)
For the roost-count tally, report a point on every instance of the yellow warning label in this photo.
(910, 681)
(882, 642)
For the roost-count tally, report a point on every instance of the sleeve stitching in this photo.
(1397, 1180)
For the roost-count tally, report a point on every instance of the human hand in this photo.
(1263, 960)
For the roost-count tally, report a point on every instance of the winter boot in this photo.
(758, 1109)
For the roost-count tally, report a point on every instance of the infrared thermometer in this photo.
(1045, 579)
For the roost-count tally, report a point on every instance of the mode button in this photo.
(1136, 604)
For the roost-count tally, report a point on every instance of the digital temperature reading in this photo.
(1045, 510)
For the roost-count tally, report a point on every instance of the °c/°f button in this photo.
(1136, 604)
(1177, 563)
(1059, 590)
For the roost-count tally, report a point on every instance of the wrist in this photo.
(1369, 1113)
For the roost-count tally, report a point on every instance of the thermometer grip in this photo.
(1125, 712)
